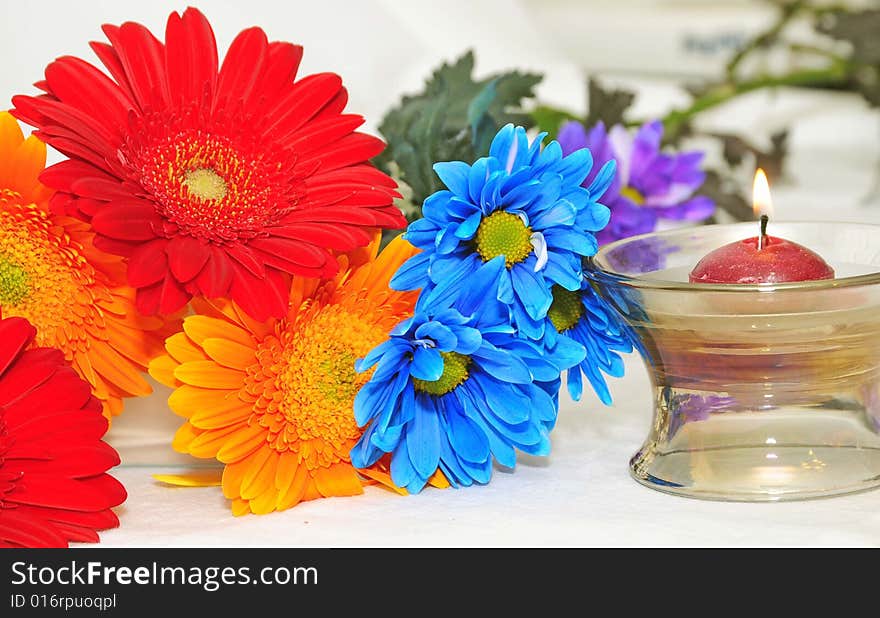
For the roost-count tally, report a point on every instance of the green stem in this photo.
(766, 38)
(834, 76)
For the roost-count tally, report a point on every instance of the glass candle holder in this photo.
(761, 392)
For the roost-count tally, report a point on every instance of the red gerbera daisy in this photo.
(214, 182)
(53, 482)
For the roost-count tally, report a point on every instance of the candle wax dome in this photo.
(778, 261)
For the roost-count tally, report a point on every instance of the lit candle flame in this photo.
(761, 202)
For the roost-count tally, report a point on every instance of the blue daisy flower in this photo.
(522, 203)
(582, 317)
(455, 387)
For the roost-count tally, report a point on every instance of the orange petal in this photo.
(265, 502)
(10, 136)
(230, 412)
(242, 443)
(184, 437)
(182, 349)
(117, 371)
(208, 443)
(232, 475)
(384, 479)
(240, 507)
(439, 480)
(202, 478)
(200, 327)
(230, 353)
(338, 480)
(162, 369)
(287, 467)
(295, 492)
(189, 400)
(261, 473)
(209, 374)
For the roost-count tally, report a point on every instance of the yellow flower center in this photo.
(206, 184)
(13, 282)
(633, 195)
(503, 233)
(307, 382)
(44, 275)
(566, 310)
(455, 372)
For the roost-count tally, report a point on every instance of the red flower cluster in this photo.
(53, 482)
(214, 180)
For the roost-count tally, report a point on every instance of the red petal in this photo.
(190, 56)
(33, 368)
(280, 69)
(164, 297)
(17, 529)
(148, 264)
(127, 221)
(289, 256)
(15, 335)
(245, 257)
(354, 148)
(78, 83)
(318, 135)
(216, 276)
(338, 237)
(143, 58)
(93, 494)
(303, 101)
(110, 59)
(186, 256)
(260, 298)
(62, 175)
(242, 66)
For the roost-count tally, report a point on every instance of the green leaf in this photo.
(550, 119)
(607, 104)
(453, 119)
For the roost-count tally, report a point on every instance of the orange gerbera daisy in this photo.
(52, 275)
(274, 400)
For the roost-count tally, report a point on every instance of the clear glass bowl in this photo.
(761, 392)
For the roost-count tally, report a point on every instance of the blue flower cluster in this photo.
(503, 310)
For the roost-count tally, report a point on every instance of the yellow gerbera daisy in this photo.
(274, 400)
(51, 274)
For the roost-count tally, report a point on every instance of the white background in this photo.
(581, 495)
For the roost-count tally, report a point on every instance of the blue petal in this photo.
(477, 178)
(441, 334)
(436, 207)
(500, 447)
(482, 284)
(505, 288)
(402, 471)
(581, 243)
(502, 142)
(576, 166)
(454, 174)
(469, 442)
(447, 241)
(531, 291)
(469, 340)
(568, 353)
(562, 212)
(565, 274)
(502, 365)
(363, 454)
(423, 441)
(412, 274)
(603, 179)
(468, 228)
(594, 217)
(502, 399)
(427, 364)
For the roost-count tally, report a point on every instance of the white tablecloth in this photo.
(582, 495)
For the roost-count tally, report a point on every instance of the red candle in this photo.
(763, 258)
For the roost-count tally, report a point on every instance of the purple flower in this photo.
(650, 184)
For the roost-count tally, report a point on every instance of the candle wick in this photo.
(764, 221)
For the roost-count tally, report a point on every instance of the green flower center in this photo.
(503, 233)
(566, 310)
(14, 286)
(206, 184)
(634, 195)
(455, 371)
